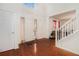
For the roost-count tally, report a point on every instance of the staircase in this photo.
(67, 36)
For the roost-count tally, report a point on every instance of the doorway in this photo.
(7, 30)
(22, 29)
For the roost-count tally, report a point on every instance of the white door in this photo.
(6, 31)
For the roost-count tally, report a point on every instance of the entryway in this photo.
(22, 29)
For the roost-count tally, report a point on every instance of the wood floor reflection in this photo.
(44, 47)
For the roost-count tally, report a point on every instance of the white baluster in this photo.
(60, 34)
(56, 34)
(65, 31)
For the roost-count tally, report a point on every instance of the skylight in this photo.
(29, 5)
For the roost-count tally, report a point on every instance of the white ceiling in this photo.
(64, 16)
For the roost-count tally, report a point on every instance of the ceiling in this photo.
(64, 16)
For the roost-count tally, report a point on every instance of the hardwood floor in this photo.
(45, 47)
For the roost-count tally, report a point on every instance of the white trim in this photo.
(68, 22)
(58, 13)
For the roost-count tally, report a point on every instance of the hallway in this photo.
(45, 47)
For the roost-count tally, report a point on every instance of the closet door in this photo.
(6, 31)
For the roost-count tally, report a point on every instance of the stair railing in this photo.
(68, 28)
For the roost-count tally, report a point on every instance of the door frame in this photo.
(22, 30)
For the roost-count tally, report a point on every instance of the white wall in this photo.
(70, 43)
(20, 11)
(41, 15)
(29, 27)
(56, 8)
